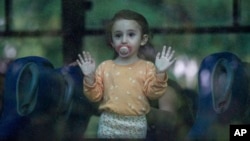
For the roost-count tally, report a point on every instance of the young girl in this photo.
(124, 85)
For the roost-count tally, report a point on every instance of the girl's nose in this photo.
(124, 39)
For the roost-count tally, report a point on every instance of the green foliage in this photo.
(36, 15)
(46, 15)
(103, 10)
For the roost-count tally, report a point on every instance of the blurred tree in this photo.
(46, 15)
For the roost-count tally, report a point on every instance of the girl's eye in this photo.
(117, 35)
(131, 34)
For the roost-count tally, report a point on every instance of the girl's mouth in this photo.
(123, 50)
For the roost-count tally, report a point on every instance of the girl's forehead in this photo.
(123, 24)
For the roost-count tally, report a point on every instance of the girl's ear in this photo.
(111, 44)
(144, 39)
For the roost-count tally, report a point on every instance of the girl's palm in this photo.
(86, 63)
(164, 59)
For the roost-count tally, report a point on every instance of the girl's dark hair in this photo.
(147, 51)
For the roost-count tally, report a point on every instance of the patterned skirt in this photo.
(122, 127)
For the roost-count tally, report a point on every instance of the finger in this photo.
(84, 56)
(158, 56)
(78, 62)
(163, 51)
(92, 60)
(81, 59)
(89, 58)
(172, 54)
(168, 51)
(172, 61)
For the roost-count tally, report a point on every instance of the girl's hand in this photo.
(164, 59)
(86, 63)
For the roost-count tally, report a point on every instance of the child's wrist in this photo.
(161, 75)
(159, 71)
(90, 78)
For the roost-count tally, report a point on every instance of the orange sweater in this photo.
(124, 89)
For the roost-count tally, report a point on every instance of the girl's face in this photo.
(127, 37)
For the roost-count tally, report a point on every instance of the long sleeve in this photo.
(125, 89)
(154, 86)
(95, 92)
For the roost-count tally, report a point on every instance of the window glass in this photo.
(191, 49)
(36, 15)
(244, 12)
(2, 21)
(46, 47)
(165, 13)
(100, 50)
